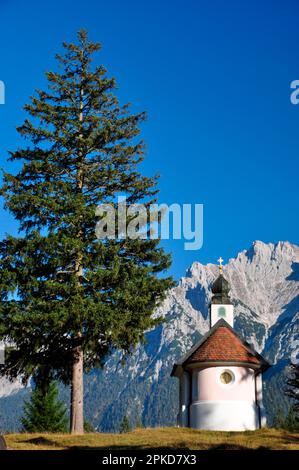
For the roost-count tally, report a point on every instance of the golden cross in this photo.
(220, 261)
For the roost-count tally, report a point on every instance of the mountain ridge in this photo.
(264, 282)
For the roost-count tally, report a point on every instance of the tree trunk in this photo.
(77, 421)
(77, 413)
(77, 416)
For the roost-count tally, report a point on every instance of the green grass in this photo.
(152, 438)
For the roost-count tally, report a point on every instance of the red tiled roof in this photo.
(223, 345)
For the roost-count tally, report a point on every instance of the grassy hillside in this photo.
(171, 438)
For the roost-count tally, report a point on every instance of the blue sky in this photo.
(214, 78)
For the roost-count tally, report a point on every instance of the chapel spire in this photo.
(221, 305)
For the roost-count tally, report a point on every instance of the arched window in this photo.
(222, 312)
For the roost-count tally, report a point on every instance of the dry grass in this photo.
(171, 438)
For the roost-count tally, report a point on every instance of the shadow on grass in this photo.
(236, 447)
(39, 441)
(131, 447)
(288, 438)
(170, 450)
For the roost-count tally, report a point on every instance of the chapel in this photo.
(220, 377)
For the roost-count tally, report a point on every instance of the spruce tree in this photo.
(44, 412)
(288, 421)
(125, 425)
(69, 299)
(88, 427)
(292, 389)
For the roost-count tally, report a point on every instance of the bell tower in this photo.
(221, 305)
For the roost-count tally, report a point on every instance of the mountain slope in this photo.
(265, 291)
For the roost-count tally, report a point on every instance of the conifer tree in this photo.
(287, 421)
(292, 389)
(125, 425)
(44, 412)
(69, 299)
(88, 427)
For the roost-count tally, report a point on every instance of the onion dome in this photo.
(220, 291)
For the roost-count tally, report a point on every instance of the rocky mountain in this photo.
(265, 291)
